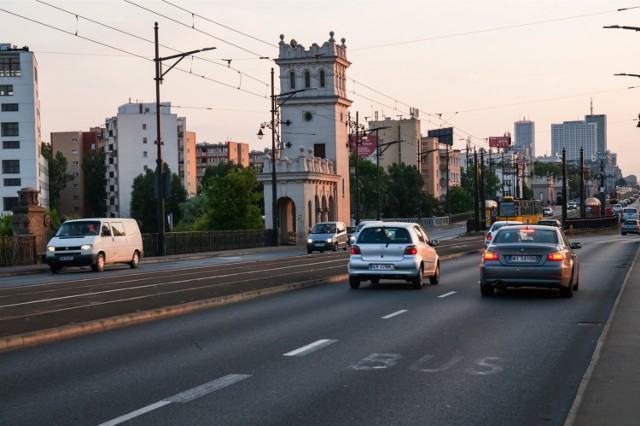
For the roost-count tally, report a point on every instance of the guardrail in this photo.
(18, 251)
(205, 241)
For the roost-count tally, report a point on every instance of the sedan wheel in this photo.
(566, 292)
(486, 290)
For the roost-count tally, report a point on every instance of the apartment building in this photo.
(129, 143)
(439, 167)
(213, 154)
(22, 163)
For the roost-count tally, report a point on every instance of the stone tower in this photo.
(312, 159)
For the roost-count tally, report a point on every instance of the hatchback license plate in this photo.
(66, 258)
(524, 259)
(381, 267)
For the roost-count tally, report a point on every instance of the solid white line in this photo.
(447, 294)
(182, 397)
(305, 350)
(394, 314)
(136, 413)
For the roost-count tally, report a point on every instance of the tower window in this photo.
(292, 80)
(322, 78)
(307, 79)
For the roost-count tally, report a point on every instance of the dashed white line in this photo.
(305, 350)
(447, 294)
(394, 314)
(182, 397)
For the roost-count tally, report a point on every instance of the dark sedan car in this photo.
(530, 256)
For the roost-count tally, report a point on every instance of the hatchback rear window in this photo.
(526, 236)
(384, 235)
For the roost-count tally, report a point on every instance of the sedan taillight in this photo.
(489, 255)
(411, 250)
(555, 257)
(355, 250)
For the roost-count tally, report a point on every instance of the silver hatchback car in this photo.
(393, 251)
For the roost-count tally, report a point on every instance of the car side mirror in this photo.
(434, 243)
(576, 245)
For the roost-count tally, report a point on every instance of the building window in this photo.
(76, 186)
(6, 89)
(292, 80)
(144, 140)
(145, 167)
(74, 141)
(144, 126)
(307, 79)
(75, 174)
(9, 129)
(75, 163)
(146, 110)
(319, 150)
(76, 208)
(9, 203)
(12, 182)
(74, 151)
(9, 107)
(11, 144)
(76, 197)
(322, 78)
(10, 66)
(11, 166)
(144, 154)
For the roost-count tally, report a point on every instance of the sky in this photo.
(474, 65)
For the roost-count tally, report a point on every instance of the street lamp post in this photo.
(378, 154)
(159, 162)
(275, 140)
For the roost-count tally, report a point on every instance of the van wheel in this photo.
(135, 260)
(99, 265)
(55, 269)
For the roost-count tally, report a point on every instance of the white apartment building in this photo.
(22, 164)
(129, 142)
(573, 135)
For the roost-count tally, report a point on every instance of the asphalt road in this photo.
(331, 355)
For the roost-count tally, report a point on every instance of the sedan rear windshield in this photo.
(384, 235)
(526, 236)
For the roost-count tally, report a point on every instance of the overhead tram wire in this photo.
(127, 52)
(147, 40)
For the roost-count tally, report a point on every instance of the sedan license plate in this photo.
(318, 244)
(524, 259)
(381, 267)
(65, 258)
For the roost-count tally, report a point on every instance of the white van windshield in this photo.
(81, 228)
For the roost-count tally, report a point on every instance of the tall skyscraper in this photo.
(573, 135)
(601, 132)
(22, 162)
(525, 138)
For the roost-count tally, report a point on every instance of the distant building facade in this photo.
(601, 132)
(572, 136)
(22, 164)
(525, 137)
(213, 154)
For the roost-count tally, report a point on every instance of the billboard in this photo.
(366, 147)
(499, 141)
(444, 136)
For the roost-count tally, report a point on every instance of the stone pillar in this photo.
(30, 219)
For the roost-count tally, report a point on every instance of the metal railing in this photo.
(205, 241)
(18, 251)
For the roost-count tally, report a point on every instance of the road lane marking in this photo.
(447, 294)
(394, 314)
(312, 347)
(183, 397)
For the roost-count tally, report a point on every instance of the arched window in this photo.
(307, 79)
(292, 80)
(322, 78)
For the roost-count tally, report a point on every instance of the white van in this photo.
(95, 242)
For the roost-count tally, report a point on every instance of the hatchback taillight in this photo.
(489, 237)
(355, 250)
(555, 257)
(411, 250)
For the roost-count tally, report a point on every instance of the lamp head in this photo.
(260, 133)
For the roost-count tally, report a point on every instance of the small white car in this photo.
(497, 225)
(393, 251)
(547, 211)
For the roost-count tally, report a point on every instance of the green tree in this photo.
(233, 202)
(94, 169)
(405, 183)
(367, 184)
(221, 169)
(6, 226)
(458, 199)
(58, 176)
(144, 204)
